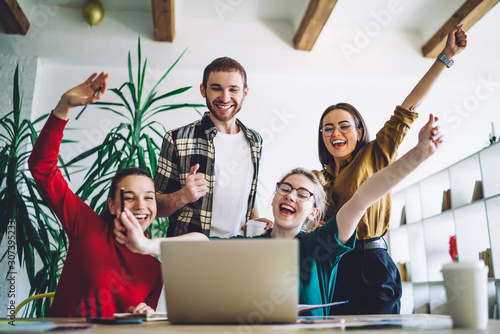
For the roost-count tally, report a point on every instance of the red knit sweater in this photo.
(100, 276)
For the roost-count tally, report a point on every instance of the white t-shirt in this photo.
(233, 181)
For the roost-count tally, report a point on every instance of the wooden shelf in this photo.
(422, 244)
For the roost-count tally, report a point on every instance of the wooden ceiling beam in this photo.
(468, 15)
(163, 20)
(12, 18)
(315, 17)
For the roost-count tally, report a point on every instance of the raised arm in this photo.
(43, 159)
(380, 183)
(129, 232)
(456, 43)
(81, 95)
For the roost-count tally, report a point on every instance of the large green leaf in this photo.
(153, 160)
(82, 156)
(162, 78)
(172, 93)
(21, 203)
(122, 97)
(16, 98)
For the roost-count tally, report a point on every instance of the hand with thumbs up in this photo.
(196, 185)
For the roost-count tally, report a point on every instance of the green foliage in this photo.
(37, 233)
(129, 144)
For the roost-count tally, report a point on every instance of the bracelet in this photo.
(448, 62)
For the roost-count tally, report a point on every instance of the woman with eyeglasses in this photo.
(368, 277)
(298, 204)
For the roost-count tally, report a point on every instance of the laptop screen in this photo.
(240, 281)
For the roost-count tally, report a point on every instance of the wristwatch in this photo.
(447, 61)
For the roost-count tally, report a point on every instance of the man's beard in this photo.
(223, 118)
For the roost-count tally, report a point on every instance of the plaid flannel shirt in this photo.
(183, 148)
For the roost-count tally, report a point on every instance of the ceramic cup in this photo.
(255, 228)
(466, 286)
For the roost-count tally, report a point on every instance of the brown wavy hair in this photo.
(325, 158)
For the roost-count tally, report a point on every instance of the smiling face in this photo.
(289, 213)
(139, 198)
(341, 145)
(224, 94)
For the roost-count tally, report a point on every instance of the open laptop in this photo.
(234, 281)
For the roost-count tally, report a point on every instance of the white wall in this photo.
(288, 89)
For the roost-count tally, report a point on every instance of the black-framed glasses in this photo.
(285, 188)
(329, 129)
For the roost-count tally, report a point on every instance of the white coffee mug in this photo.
(466, 286)
(255, 228)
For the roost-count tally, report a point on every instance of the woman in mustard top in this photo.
(367, 276)
(297, 204)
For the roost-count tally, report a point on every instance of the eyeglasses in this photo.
(329, 129)
(284, 188)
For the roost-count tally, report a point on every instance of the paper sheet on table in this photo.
(24, 326)
(307, 307)
(152, 316)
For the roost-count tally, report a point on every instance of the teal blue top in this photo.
(320, 253)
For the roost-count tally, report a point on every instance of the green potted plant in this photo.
(24, 215)
(130, 144)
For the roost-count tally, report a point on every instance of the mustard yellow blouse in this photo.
(374, 156)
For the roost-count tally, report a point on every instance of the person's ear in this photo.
(245, 93)
(111, 206)
(202, 91)
(313, 214)
(360, 133)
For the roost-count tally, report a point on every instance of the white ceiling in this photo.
(422, 16)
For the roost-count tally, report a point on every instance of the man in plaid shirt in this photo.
(206, 179)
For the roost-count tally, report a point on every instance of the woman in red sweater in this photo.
(100, 277)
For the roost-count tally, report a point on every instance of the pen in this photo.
(122, 203)
(85, 106)
(122, 199)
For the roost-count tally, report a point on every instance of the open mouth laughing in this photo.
(224, 107)
(287, 210)
(337, 143)
(141, 218)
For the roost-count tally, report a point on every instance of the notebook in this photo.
(233, 281)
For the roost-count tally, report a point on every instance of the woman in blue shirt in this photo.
(299, 202)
